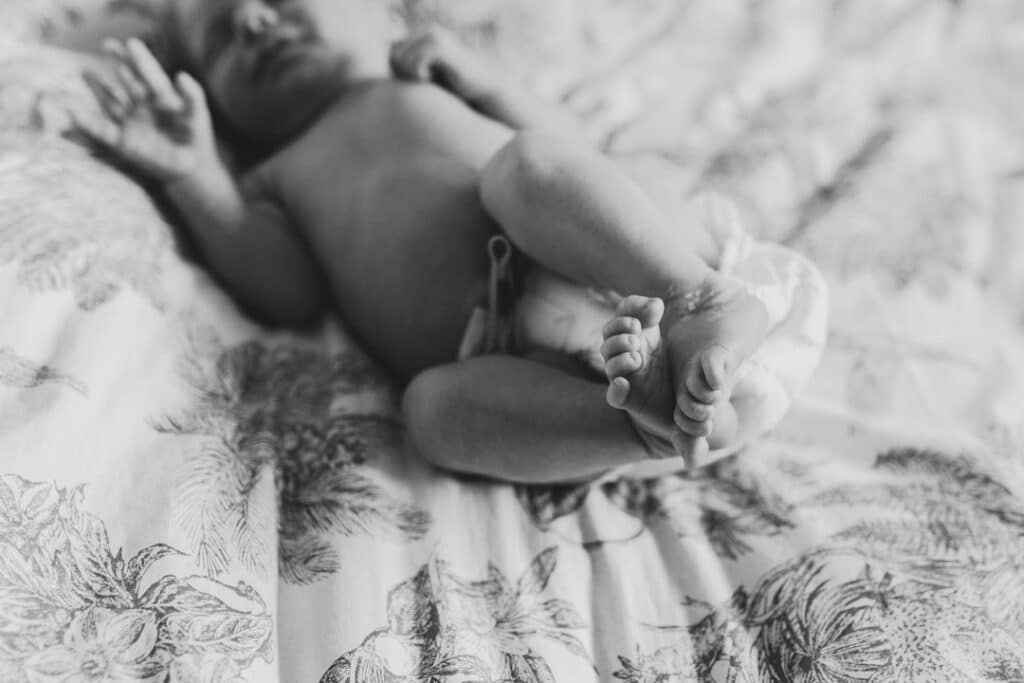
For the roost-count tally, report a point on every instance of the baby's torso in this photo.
(384, 190)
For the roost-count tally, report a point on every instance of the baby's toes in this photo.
(696, 385)
(716, 363)
(694, 410)
(651, 313)
(623, 364)
(618, 392)
(621, 325)
(619, 344)
(690, 426)
(633, 306)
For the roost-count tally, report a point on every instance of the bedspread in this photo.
(187, 497)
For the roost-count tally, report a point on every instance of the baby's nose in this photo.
(254, 19)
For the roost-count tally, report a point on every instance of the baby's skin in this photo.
(710, 332)
(385, 168)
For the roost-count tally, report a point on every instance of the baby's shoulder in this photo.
(427, 97)
(404, 99)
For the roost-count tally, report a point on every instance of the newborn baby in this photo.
(421, 194)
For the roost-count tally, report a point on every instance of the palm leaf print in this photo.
(20, 373)
(278, 416)
(441, 624)
(935, 592)
(63, 239)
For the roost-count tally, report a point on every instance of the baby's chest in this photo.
(368, 181)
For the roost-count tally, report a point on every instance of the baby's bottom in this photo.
(536, 419)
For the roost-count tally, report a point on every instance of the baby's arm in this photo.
(247, 241)
(437, 56)
(163, 129)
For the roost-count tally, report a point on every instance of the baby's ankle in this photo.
(684, 302)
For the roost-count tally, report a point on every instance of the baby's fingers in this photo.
(402, 63)
(132, 85)
(111, 95)
(191, 93)
(196, 111)
(97, 129)
(413, 57)
(126, 75)
(161, 90)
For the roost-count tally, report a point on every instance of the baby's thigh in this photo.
(559, 360)
(669, 185)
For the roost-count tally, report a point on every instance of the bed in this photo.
(186, 497)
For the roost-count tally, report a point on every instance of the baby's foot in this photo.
(638, 374)
(708, 333)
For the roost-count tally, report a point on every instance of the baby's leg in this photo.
(666, 185)
(518, 420)
(576, 213)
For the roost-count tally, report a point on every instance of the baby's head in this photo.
(270, 67)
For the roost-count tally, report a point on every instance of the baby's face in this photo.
(271, 66)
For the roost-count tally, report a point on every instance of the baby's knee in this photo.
(527, 165)
(419, 400)
(424, 406)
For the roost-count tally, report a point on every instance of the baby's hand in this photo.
(436, 55)
(160, 127)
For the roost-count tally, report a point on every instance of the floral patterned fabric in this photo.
(185, 497)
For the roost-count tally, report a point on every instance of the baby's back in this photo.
(384, 190)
